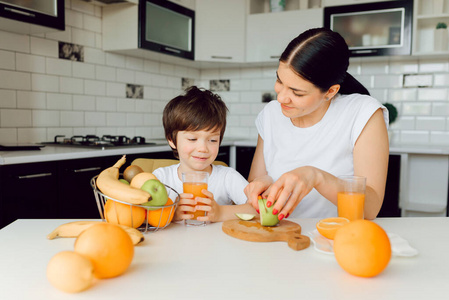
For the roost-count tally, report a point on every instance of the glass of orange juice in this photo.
(193, 183)
(351, 197)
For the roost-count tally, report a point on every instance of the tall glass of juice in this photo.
(193, 183)
(351, 197)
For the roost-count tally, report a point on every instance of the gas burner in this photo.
(93, 141)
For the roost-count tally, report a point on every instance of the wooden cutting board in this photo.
(285, 231)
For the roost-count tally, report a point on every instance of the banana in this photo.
(109, 184)
(74, 229)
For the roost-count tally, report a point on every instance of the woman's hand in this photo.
(257, 187)
(290, 189)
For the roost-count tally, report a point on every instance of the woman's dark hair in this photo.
(321, 56)
(197, 109)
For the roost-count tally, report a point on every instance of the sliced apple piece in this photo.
(245, 217)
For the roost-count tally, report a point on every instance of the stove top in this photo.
(93, 141)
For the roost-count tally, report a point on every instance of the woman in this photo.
(324, 124)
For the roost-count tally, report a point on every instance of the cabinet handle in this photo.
(275, 56)
(221, 57)
(20, 12)
(34, 175)
(86, 169)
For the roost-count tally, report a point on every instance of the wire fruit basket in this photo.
(144, 218)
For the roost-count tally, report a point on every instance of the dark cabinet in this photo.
(28, 191)
(244, 158)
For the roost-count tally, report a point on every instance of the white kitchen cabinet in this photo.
(427, 14)
(347, 2)
(220, 30)
(268, 34)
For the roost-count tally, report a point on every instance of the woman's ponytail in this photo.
(350, 85)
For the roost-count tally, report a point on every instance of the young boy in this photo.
(194, 125)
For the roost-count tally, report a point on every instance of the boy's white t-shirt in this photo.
(327, 145)
(225, 183)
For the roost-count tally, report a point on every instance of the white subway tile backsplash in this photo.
(30, 63)
(418, 108)
(400, 67)
(158, 106)
(105, 73)
(44, 47)
(116, 119)
(71, 85)
(249, 97)
(143, 106)
(106, 104)
(229, 97)
(434, 66)
(402, 94)
(57, 66)
(59, 101)
(94, 56)
(94, 87)
(440, 109)
(72, 119)
(134, 119)
(46, 118)
(134, 63)
(66, 131)
(269, 72)
(7, 60)
(432, 94)
(387, 81)
(441, 80)
(73, 18)
(252, 73)
(84, 103)
(151, 93)
(369, 68)
(44, 83)
(141, 78)
(127, 76)
(31, 100)
(415, 137)
(83, 70)
(152, 119)
(210, 74)
(63, 35)
(8, 99)
(115, 60)
(83, 7)
(8, 135)
(31, 135)
(83, 37)
(404, 123)
(262, 84)
(92, 23)
(430, 123)
(15, 80)
(94, 119)
(167, 69)
(439, 138)
(126, 105)
(239, 109)
(116, 89)
(98, 41)
(153, 66)
(14, 42)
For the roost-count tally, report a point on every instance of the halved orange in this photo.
(328, 227)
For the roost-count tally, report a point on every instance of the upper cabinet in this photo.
(220, 30)
(31, 17)
(428, 40)
(268, 33)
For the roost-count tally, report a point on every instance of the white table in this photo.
(204, 263)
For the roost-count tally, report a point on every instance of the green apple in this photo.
(158, 192)
(245, 217)
(124, 181)
(267, 218)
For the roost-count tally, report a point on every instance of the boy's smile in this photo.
(197, 150)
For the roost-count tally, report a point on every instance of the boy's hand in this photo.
(210, 206)
(186, 207)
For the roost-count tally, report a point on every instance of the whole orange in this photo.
(123, 214)
(109, 248)
(163, 216)
(362, 248)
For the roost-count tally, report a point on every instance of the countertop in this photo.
(52, 153)
(204, 263)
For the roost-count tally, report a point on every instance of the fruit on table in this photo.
(362, 248)
(124, 214)
(140, 179)
(158, 192)
(124, 181)
(245, 217)
(109, 248)
(163, 216)
(267, 218)
(74, 229)
(109, 184)
(328, 227)
(131, 171)
(70, 272)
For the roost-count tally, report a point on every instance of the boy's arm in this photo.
(227, 212)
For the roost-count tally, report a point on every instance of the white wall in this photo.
(42, 96)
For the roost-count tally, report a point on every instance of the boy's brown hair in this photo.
(198, 109)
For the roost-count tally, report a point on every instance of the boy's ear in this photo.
(170, 142)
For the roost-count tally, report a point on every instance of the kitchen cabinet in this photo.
(244, 158)
(220, 30)
(28, 191)
(427, 14)
(32, 17)
(269, 33)
(347, 2)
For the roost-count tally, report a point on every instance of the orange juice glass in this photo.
(194, 183)
(351, 197)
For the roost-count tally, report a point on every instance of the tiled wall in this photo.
(42, 96)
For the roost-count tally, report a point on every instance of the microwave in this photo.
(373, 29)
(166, 27)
